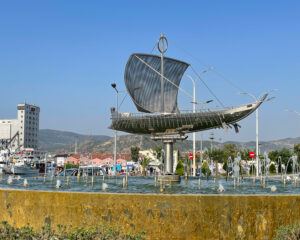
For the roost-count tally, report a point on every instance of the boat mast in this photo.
(162, 48)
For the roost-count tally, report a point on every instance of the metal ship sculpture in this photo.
(153, 82)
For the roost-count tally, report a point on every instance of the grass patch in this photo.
(94, 233)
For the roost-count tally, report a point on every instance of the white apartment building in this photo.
(23, 131)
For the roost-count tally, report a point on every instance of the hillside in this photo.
(62, 141)
(54, 140)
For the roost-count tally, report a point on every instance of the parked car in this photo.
(91, 170)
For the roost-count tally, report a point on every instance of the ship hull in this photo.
(181, 123)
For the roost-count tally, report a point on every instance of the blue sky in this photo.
(63, 55)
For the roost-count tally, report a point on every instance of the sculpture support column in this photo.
(169, 145)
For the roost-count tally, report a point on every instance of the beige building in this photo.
(23, 131)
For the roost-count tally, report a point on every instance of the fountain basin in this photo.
(147, 185)
(160, 216)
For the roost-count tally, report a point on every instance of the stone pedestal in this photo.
(168, 141)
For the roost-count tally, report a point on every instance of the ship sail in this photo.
(143, 82)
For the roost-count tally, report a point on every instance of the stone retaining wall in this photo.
(160, 216)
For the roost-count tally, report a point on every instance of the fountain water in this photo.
(295, 169)
(25, 183)
(279, 166)
(273, 188)
(229, 167)
(265, 171)
(236, 169)
(58, 183)
(10, 179)
(221, 188)
(104, 186)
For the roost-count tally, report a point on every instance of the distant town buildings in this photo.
(23, 131)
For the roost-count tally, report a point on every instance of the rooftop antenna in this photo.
(162, 48)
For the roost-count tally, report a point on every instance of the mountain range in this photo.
(62, 141)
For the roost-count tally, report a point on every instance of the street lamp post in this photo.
(211, 141)
(194, 102)
(211, 137)
(114, 86)
(256, 128)
(194, 134)
(256, 132)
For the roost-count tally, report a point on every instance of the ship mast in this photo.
(162, 48)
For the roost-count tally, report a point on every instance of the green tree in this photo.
(135, 153)
(216, 155)
(275, 157)
(285, 155)
(245, 154)
(205, 169)
(297, 150)
(145, 162)
(230, 150)
(180, 168)
(158, 151)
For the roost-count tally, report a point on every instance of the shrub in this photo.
(272, 168)
(71, 165)
(180, 168)
(290, 232)
(27, 233)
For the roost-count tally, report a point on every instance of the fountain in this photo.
(153, 82)
(236, 169)
(233, 180)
